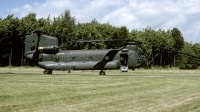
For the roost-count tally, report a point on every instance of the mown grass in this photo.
(27, 89)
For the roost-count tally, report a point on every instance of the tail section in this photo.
(35, 44)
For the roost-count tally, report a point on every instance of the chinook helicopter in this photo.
(45, 51)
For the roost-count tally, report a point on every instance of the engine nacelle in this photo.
(46, 44)
(49, 49)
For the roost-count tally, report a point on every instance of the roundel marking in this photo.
(107, 58)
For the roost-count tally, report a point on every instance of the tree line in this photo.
(159, 47)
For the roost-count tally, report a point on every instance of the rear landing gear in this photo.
(102, 72)
(47, 71)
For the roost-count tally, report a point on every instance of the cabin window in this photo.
(90, 58)
(73, 58)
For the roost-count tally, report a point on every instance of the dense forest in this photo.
(159, 47)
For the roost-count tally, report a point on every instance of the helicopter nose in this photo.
(142, 61)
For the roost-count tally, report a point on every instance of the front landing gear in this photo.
(47, 72)
(102, 72)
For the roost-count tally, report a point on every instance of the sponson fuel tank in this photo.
(95, 65)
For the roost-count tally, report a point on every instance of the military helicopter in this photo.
(45, 51)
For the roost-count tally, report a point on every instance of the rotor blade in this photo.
(105, 40)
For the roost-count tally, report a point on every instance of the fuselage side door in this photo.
(124, 60)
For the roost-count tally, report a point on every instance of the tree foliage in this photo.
(190, 62)
(9, 39)
(63, 26)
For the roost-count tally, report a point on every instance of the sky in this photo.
(134, 14)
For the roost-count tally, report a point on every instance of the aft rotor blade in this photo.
(98, 40)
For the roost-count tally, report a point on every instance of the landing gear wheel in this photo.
(47, 71)
(102, 72)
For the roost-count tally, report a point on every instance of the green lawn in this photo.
(27, 89)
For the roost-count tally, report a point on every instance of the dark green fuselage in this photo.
(87, 60)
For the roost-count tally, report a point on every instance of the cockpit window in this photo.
(136, 55)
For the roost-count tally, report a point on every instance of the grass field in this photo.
(27, 89)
